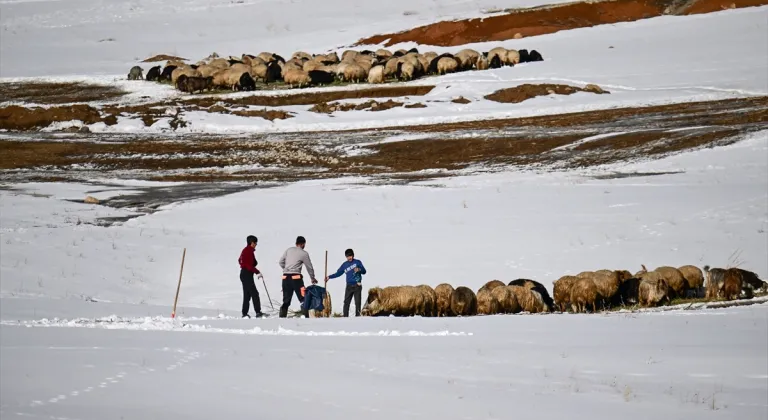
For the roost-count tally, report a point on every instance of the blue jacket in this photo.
(313, 298)
(349, 268)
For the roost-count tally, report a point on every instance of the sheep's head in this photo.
(372, 305)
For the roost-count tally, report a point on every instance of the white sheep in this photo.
(376, 74)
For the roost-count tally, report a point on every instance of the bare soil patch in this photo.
(162, 57)
(311, 98)
(527, 91)
(57, 93)
(543, 20)
(21, 118)
(372, 105)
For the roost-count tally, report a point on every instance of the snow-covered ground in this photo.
(85, 331)
(464, 230)
(681, 365)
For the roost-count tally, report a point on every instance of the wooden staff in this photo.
(178, 287)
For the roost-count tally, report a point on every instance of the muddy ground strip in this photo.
(546, 142)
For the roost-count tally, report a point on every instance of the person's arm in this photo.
(308, 263)
(282, 260)
(339, 272)
(362, 268)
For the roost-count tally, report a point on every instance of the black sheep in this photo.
(495, 62)
(278, 58)
(153, 74)
(247, 82)
(398, 54)
(535, 56)
(367, 52)
(413, 50)
(524, 56)
(319, 77)
(231, 62)
(274, 72)
(629, 291)
(166, 74)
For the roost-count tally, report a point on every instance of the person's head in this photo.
(349, 254)
(301, 242)
(252, 241)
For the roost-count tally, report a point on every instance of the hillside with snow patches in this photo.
(85, 327)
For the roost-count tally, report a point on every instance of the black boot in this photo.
(283, 313)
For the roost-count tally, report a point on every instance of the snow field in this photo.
(688, 365)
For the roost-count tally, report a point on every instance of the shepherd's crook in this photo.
(178, 287)
(265, 289)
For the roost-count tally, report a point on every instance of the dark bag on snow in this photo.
(313, 298)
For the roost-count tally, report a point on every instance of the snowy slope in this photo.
(464, 230)
(677, 365)
(108, 37)
(654, 61)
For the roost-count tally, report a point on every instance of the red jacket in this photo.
(247, 260)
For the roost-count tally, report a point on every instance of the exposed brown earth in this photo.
(372, 105)
(557, 141)
(527, 91)
(19, 118)
(22, 119)
(57, 93)
(546, 20)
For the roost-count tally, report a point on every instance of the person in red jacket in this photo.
(248, 268)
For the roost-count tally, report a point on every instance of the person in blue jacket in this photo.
(354, 270)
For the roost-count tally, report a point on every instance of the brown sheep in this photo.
(562, 291)
(219, 63)
(394, 300)
(463, 302)
(491, 285)
(482, 63)
(652, 289)
(390, 68)
(447, 65)
(674, 279)
(506, 298)
(486, 303)
(187, 71)
(259, 71)
(444, 292)
(500, 51)
(511, 58)
(296, 77)
(750, 278)
(349, 55)
(314, 64)
(541, 292)
(584, 293)
(715, 281)
(732, 284)
(528, 299)
(353, 73)
(300, 55)
(207, 70)
(382, 53)
(365, 64)
(376, 75)
(693, 275)
(227, 78)
(430, 300)
(468, 58)
(607, 283)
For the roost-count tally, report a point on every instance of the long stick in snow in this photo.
(326, 268)
(267, 290)
(178, 287)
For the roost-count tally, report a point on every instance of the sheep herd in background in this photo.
(303, 69)
(587, 291)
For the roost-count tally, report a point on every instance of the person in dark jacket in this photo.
(248, 268)
(354, 270)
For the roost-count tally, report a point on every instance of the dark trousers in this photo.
(355, 290)
(249, 292)
(291, 286)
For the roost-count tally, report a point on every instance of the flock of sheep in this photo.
(587, 291)
(303, 69)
